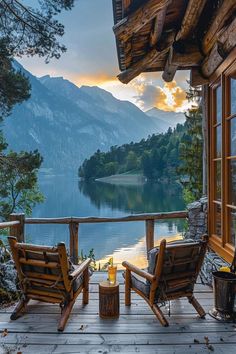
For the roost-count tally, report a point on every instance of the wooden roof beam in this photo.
(170, 67)
(196, 78)
(191, 18)
(126, 76)
(131, 24)
(191, 57)
(225, 43)
(159, 21)
(225, 11)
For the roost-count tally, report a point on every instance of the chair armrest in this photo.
(80, 269)
(138, 271)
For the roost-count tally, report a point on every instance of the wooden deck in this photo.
(136, 331)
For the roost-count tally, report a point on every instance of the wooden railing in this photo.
(17, 225)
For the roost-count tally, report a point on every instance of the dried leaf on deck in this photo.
(5, 332)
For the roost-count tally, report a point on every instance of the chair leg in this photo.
(20, 307)
(193, 301)
(86, 287)
(65, 315)
(157, 311)
(127, 288)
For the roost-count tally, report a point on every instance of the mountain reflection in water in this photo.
(64, 196)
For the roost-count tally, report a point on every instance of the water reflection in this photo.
(65, 197)
(140, 198)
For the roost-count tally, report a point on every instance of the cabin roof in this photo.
(165, 35)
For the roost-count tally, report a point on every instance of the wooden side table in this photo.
(109, 300)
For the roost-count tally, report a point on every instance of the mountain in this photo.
(169, 119)
(67, 124)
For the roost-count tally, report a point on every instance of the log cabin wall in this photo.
(200, 36)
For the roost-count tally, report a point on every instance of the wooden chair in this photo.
(45, 274)
(172, 272)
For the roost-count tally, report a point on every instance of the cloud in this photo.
(169, 97)
(95, 79)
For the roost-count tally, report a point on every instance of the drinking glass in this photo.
(112, 269)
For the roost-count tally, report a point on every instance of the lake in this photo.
(66, 196)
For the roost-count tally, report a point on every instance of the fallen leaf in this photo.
(210, 347)
(196, 340)
(82, 327)
(207, 340)
(5, 332)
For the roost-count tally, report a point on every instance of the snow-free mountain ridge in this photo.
(67, 124)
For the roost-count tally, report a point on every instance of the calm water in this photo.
(65, 196)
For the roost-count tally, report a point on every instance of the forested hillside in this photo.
(156, 157)
(174, 155)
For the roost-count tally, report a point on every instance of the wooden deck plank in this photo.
(136, 330)
(123, 339)
(114, 349)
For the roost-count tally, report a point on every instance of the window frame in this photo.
(221, 244)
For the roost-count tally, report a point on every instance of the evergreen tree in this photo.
(191, 155)
(24, 30)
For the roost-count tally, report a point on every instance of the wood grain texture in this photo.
(133, 23)
(109, 300)
(136, 330)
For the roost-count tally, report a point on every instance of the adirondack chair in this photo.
(46, 274)
(172, 272)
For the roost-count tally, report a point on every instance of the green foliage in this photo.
(18, 183)
(33, 31)
(24, 30)
(191, 150)
(14, 86)
(156, 157)
(91, 255)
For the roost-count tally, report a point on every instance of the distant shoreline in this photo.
(123, 179)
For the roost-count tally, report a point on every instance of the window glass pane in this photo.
(233, 95)
(233, 227)
(233, 137)
(217, 195)
(232, 182)
(218, 140)
(218, 104)
(217, 220)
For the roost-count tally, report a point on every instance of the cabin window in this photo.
(222, 181)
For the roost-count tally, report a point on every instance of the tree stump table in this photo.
(109, 300)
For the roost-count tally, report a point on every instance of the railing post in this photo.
(18, 230)
(74, 241)
(149, 234)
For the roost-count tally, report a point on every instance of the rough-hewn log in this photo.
(191, 18)
(133, 23)
(158, 27)
(127, 75)
(6, 224)
(153, 56)
(109, 300)
(222, 15)
(149, 234)
(93, 219)
(226, 42)
(196, 78)
(18, 230)
(212, 61)
(74, 242)
(192, 57)
(170, 67)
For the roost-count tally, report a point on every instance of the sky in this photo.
(91, 59)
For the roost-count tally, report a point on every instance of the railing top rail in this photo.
(6, 224)
(94, 219)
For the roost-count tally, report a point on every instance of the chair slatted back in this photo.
(42, 271)
(177, 266)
